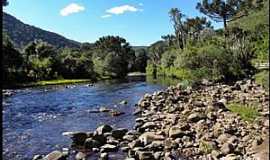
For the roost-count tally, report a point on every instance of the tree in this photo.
(112, 56)
(140, 60)
(169, 39)
(193, 26)
(12, 60)
(176, 17)
(222, 10)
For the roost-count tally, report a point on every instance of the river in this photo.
(35, 118)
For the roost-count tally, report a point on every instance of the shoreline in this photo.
(187, 124)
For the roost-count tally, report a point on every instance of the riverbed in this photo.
(35, 118)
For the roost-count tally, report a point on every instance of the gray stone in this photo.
(37, 157)
(145, 155)
(80, 156)
(104, 156)
(103, 129)
(227, 148)
(55, 155)
(176, 132)
(195, 117)
(109, 148)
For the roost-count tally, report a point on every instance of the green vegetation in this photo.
(196, 51)
(205, 147)
(262, 78)
(246, 112)
(60, 81)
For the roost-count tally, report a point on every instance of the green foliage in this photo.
(140, 61)
(12, 61)
(246, 112)
(112, 56)
(262, 78)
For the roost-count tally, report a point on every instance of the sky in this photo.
(140, 22)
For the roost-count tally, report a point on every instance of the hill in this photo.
(21, 34)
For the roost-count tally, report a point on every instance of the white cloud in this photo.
(106, 16)
(122, 9)
(71, 8)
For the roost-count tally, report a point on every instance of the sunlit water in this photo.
(35, 118)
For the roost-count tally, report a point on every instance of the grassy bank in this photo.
(46, 82)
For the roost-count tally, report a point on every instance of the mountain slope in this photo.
(21, 34)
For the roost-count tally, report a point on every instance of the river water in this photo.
(35, 118)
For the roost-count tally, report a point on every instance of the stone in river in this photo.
(55, 155)
(103, 129)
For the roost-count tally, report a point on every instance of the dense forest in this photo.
(193, 52)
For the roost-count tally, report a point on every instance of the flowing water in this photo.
(35, 118)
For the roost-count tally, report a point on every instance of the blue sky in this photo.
(140, 22)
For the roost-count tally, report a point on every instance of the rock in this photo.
(129, 137)
(149, 125)
(80, 156)
(124, 149)
(100, 138)
(195, 117)
(115, 113)
(55, 155)
(149, 137)
(37, 157)
(103, 129)
(108, 148)
(77, 137)
(231, 157)
(226, 148)
(176, 132)
(223, 138)
(123, 102)
(91, 143)
(135, 143)
(158, 155)
(144, 155)
(266, 123)
(65, 151)
(104, 109)
(119, 133)
(104, 156)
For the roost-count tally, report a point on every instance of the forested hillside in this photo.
(21, 34)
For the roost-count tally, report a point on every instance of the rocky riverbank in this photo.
(192, 123)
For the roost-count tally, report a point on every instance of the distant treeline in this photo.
(109, 57)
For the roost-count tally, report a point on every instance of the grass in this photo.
(246, 112)
(205, 147)
(262, 78)
(55, 82)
